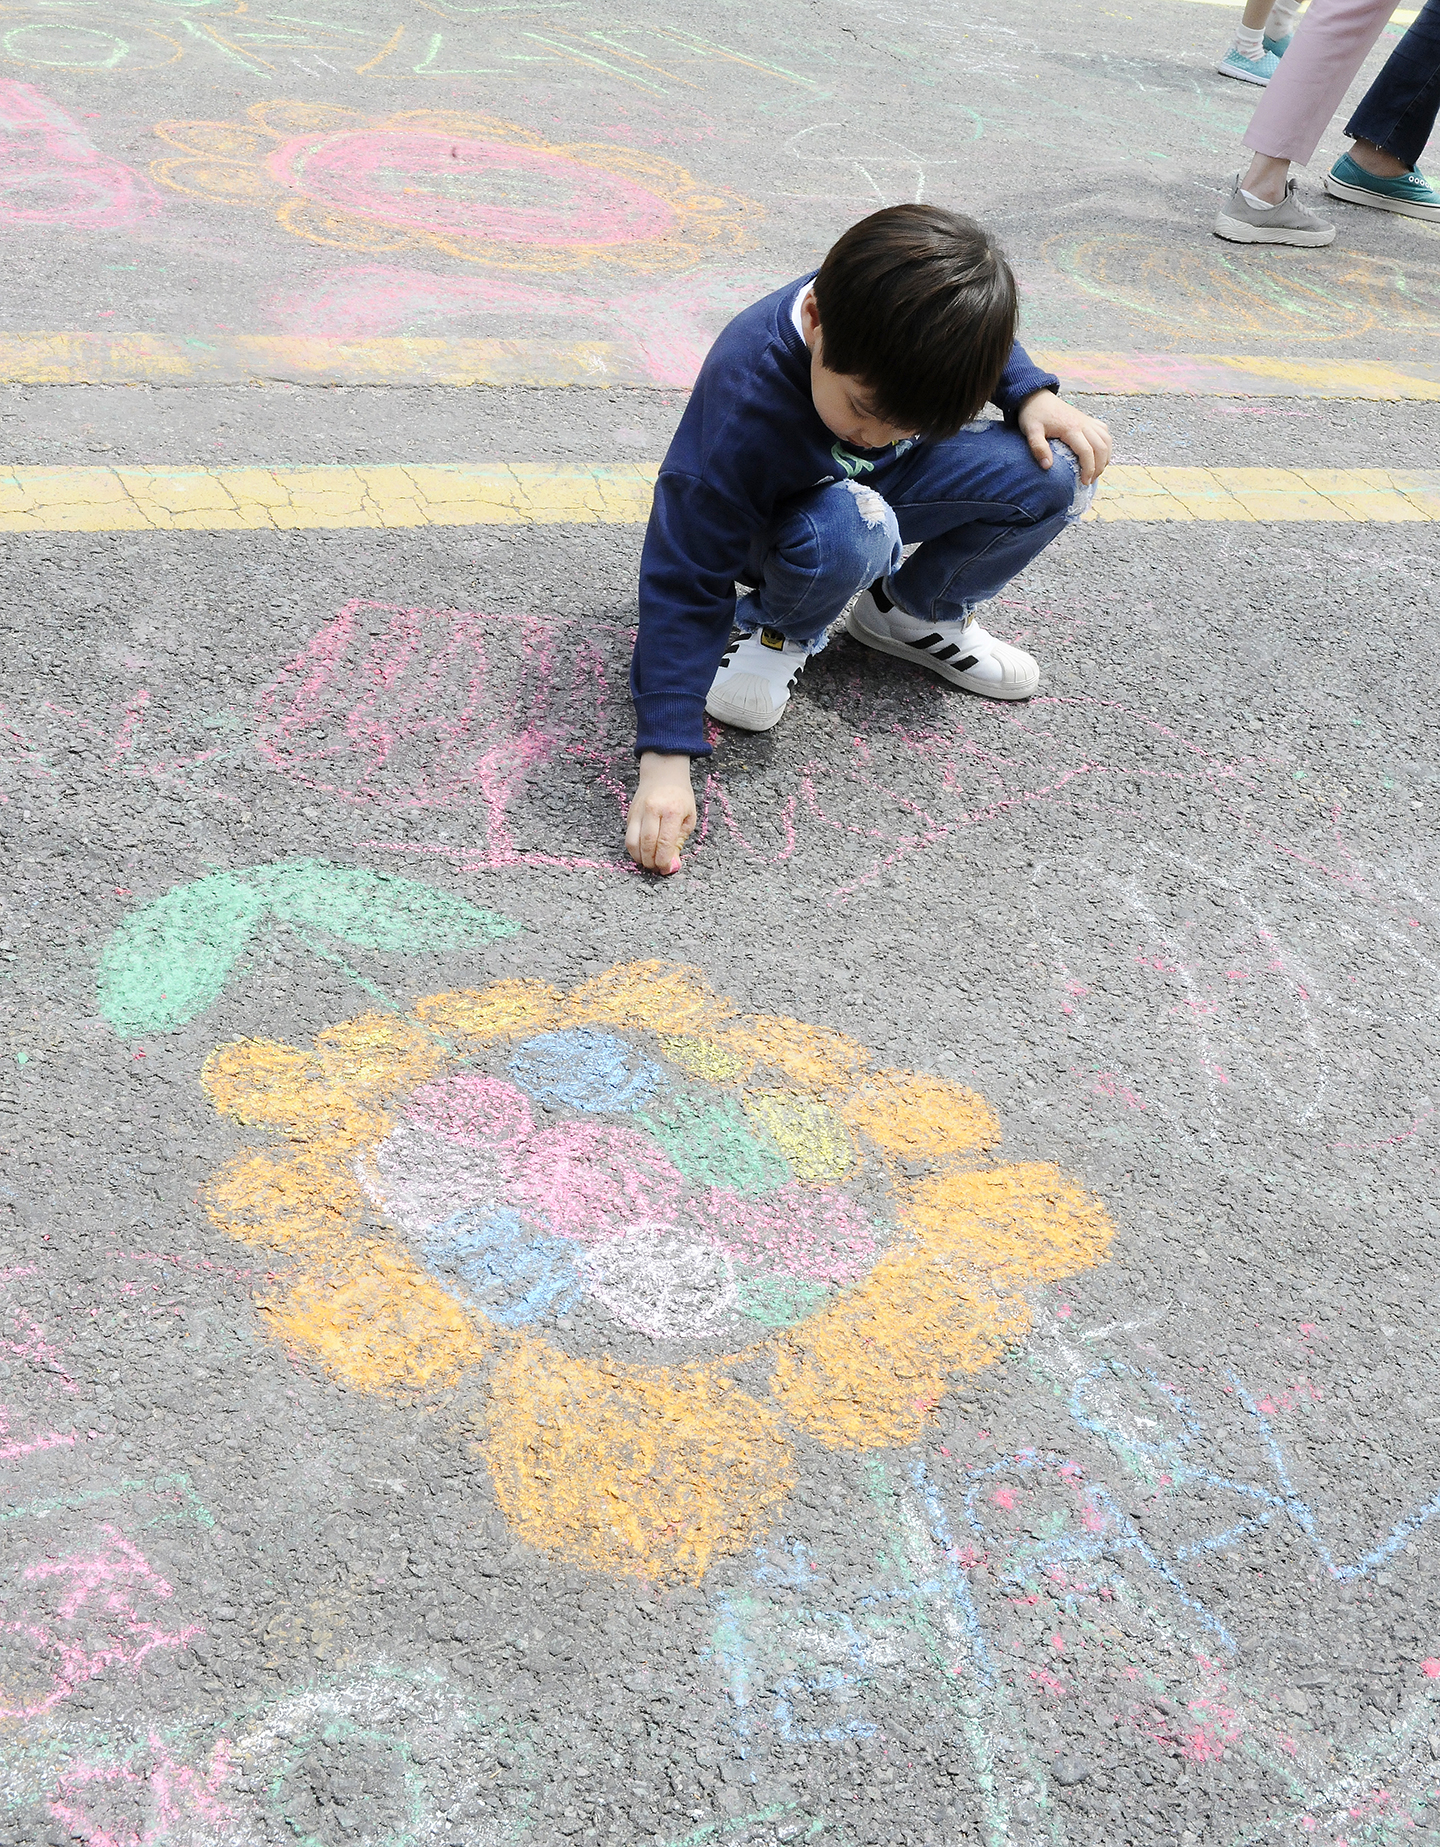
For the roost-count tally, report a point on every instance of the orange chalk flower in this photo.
(605, 1209)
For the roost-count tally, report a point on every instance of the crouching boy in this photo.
(831, 428)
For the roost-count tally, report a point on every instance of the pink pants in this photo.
(1319, 66)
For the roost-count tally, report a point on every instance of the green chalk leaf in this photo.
(373, 911)
(169, 961)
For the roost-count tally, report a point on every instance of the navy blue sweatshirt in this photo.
(750, 438)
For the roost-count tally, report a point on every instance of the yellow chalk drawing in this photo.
(380, 1321)
(807, 1132)
(622, 1467)
(615, 1465)
(469, 186)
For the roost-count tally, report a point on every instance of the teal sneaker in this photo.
(1410, 194)
(1277, 47)
(1249, 70)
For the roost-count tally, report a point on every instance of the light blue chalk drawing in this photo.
(1147, 1423)
(512, 1274)
(1095, 1408)
(586, 1069)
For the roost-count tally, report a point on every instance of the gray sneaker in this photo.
(1285, 223)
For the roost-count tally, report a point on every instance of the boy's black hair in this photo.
(921, 306)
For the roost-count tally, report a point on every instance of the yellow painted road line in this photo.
(1384, 495)
(250, 359)
(296, 499)
(1237, 375)
(525, 493)
(259, 359)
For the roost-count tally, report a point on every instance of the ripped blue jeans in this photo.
(978, 506)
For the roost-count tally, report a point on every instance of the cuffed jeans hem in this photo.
(812, 643)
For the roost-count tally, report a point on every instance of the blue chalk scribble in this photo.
(512, 1273)
(586, 1069)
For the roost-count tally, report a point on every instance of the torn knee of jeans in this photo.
(1082, 496)
(868, 504)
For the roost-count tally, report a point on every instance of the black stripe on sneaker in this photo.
(926, 641)
(968, 662)
(944, 654)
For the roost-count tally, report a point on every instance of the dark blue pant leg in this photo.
(823, 546)
(980, 507)
(1397, 113)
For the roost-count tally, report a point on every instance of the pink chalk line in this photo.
(101, 1588)
(177, 1792)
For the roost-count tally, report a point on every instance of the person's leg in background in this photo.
(1389, 129)
(1328, 49)
(1248, 59)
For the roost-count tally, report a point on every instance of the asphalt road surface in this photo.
(918, 1329)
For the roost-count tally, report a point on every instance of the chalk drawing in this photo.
(586, 1069)
(879, 170)
(669, 324)
(1256, 998)
(170, 960)
(409, 1754)
(668, 1287)
(88, 1612)
(423, 1200)
(467, 186)
(157, 1799)
(393, 707)
(509, 1269)
(78, 38)
(1199, 293)
(51, 175)
(999, 1598)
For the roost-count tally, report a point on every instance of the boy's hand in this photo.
(1043, 416)
(662, 815)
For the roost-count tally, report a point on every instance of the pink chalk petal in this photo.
(592, 1182)
(818, 1235)
(475, 1109)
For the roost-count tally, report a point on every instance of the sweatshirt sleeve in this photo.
(695, 547)
(1020, 377)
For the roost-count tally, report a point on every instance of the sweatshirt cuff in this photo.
(671, 722)
(1022, 387)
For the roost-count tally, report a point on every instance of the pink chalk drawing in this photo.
(471, 1108)
(23, 1432)
(669, 325)
(592, 1181)
(14, 1449)
(51, 175)
(822, 1236)
(161, 1800)
(470, 1140)
(92, 1611)
(469, 186)
(389, 707)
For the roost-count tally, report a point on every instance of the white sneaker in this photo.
(751, 688)
(961, 652)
